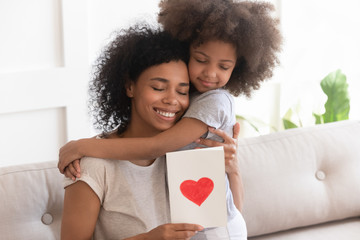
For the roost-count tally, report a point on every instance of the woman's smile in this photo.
(166, 114)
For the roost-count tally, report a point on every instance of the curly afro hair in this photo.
(131, 52)
(248, 25)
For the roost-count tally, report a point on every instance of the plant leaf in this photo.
(255, 123)
(318, 118)
(287, 120)
(288, 114)
(289, 124)
(249, 122)
(337, 105)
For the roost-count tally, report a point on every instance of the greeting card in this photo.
(196, 180)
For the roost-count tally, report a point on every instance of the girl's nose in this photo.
(210, 72)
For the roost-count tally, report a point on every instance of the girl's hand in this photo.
(73, 170)
(172, 231)
(229, 144)
(67, 154)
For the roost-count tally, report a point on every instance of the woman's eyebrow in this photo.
(164, 80)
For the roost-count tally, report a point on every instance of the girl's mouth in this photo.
(207, 83)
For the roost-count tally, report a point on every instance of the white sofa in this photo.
(299, 184)
(303, 184)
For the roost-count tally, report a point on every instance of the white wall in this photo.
(46, 50)
(43, 74)
(106, 17)
(30, 35)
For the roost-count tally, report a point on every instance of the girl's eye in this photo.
(224, 67)
(201, 61)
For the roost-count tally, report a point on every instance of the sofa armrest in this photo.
(31, 201)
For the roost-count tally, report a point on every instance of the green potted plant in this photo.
(337, 106)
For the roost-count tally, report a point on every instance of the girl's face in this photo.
(211, 64)
(159, 98)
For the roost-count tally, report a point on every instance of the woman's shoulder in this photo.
(95, 161)
(91, 164)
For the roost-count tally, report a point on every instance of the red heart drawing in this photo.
(197, 192)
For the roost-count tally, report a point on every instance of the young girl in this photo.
(233, 47)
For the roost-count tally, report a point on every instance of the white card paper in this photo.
(196, 180)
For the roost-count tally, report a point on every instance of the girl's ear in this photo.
(129, 86)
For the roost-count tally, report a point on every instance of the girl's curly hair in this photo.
(131, 52)
(248, 25)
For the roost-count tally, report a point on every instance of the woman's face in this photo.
(159, 98)
(211, 64)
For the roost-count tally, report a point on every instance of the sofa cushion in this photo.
(301, 177)
(31, 201)
(348, 229)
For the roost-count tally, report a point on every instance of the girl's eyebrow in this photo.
(201, 53)
(225, 60)
(164, 80)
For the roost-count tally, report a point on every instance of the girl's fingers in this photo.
(61, 165)
(68, 174)
(77, 165)
(236, 130)
(220, 133)
(73, 170)
(225, 136)
(208, 142)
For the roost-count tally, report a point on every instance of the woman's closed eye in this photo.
(185, 92)
(158, 89)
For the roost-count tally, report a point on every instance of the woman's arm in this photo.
(81, 210)
(186, 131)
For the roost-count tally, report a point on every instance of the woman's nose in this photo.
(170, 98)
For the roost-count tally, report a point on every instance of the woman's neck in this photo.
(135, 133)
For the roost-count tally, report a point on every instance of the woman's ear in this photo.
(129, 86)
